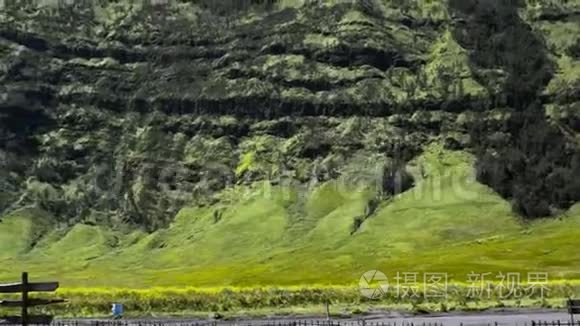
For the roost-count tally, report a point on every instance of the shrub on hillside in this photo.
(538, 170)
(395, 180)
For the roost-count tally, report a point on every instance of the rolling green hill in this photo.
(447, 223)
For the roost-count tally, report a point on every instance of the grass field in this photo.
(344, 301)
(273, 237)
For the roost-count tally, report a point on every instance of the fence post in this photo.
(24, 299)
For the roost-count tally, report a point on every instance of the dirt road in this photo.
(490, 318)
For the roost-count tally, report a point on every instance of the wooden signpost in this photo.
(24, 287)
(573, 308)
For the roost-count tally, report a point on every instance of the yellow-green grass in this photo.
(268, 237)
(234, 302)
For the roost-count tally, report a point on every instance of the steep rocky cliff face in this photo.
(120, 111)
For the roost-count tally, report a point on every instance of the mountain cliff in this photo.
(124, 114)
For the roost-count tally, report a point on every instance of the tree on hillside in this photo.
(535, 169)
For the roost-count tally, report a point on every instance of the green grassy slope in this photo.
(270, 236)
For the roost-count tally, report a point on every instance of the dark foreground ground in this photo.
(491, 318)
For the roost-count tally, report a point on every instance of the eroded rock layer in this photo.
(125, 111)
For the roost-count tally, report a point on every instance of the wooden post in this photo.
(571, 310)
(24, 299)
